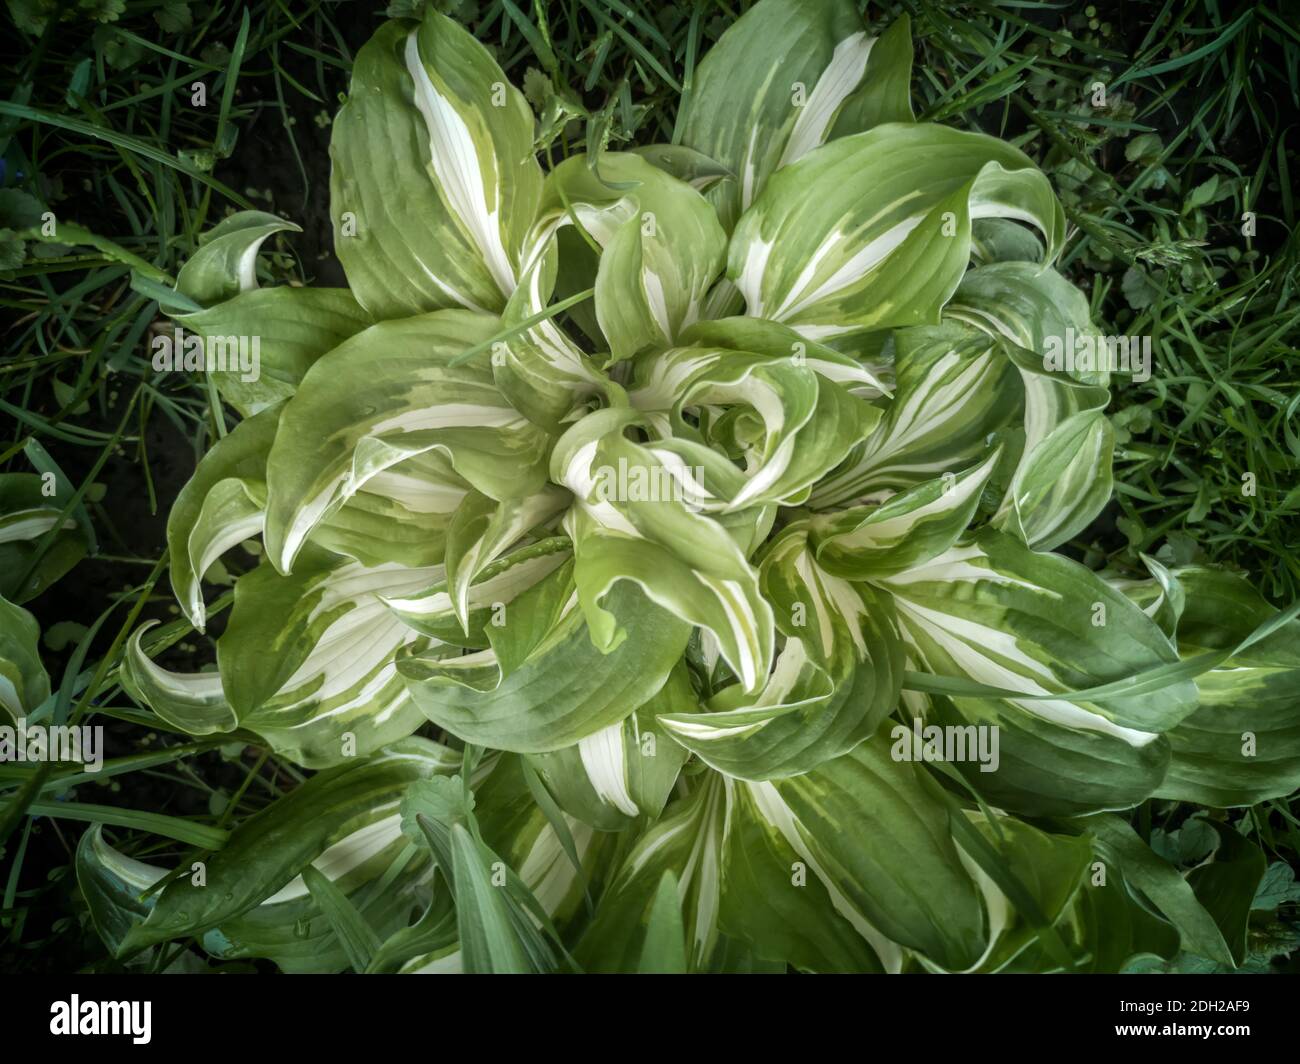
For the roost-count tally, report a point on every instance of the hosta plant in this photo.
(637, 535)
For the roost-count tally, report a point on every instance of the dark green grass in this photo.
(98, 126)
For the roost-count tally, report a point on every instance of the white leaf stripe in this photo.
(699, 878)
(1006, 617)
(30, 524)
(774, 809)
(981, 652)
(841, 76)
(467, 179)
(852, 270)
(952, 392)
(603, 757)
(349, 852)
(547, 870)
(813, 250)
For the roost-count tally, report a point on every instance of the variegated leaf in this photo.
(306, 661)
(1061, 486)
(847, 820)
(1042, 766)
(836, 678)
(681, 559)
(388, 394)
(661, 245)
(626, 770)
(482, 529)
(775, 340)
(907, 530)
(226, 262)
(994, 612)
(24, 683)
(434, 183)
(1022, 302)
(1058, 486)
(434, 610)
(501, 925)
(784, 78)
(868, 233)
(252, 900)
(954, 391)
(400, 516)
(543, 373)
(789, 424)
(1242, 745)
(29, 513)
(517, 828)
(222, 504)
(687, 841)
(287, 328)
(194, 702)
(544, 684)
(770, 900)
